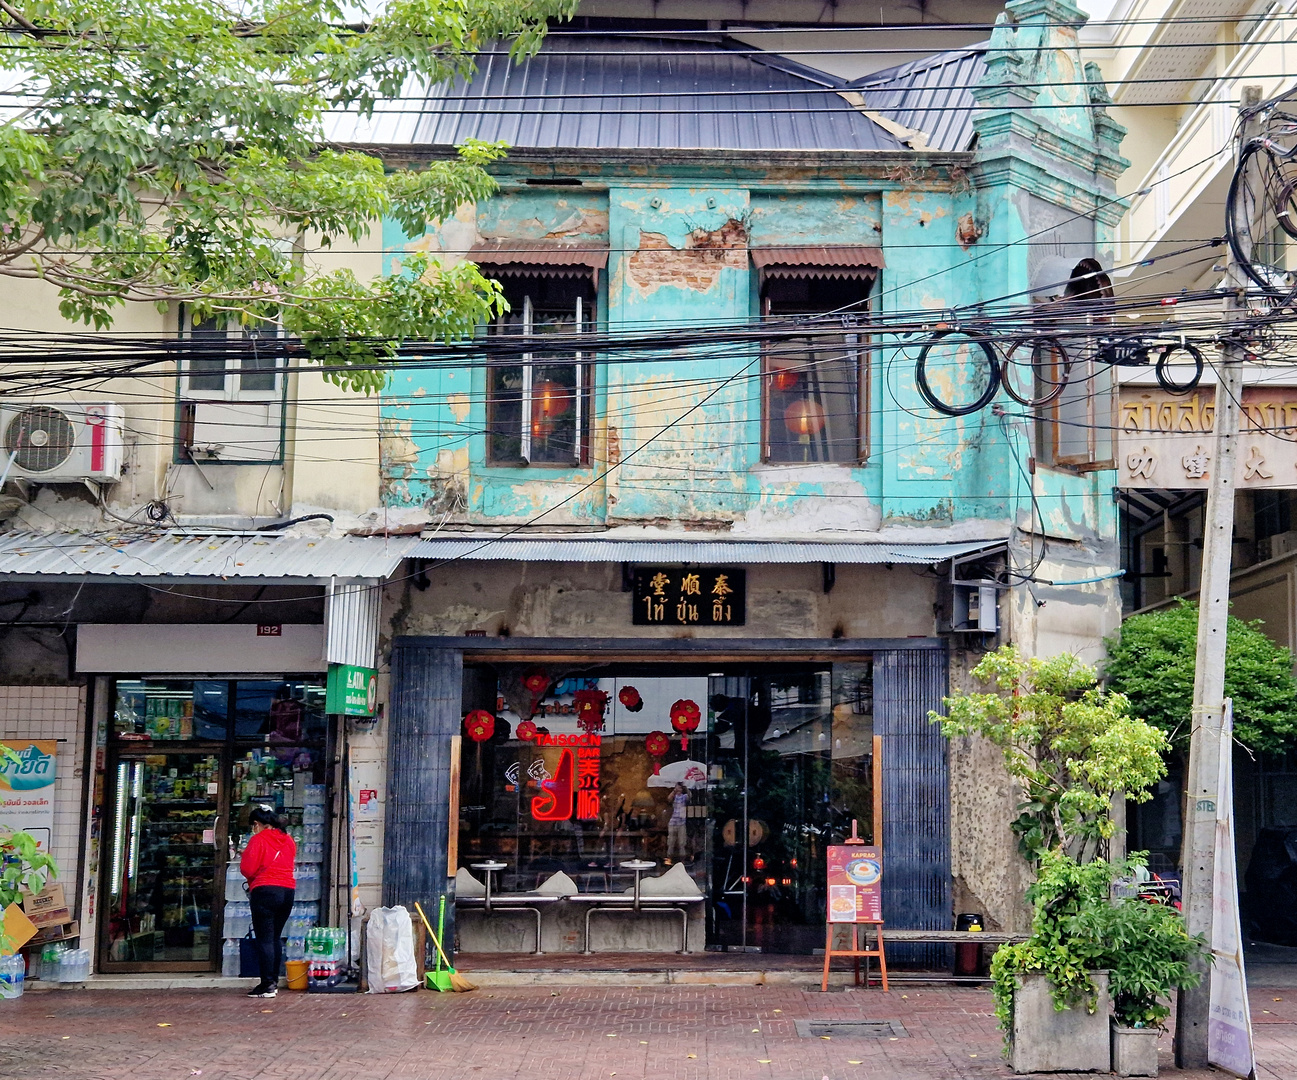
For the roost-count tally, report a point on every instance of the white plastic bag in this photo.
(389, 951)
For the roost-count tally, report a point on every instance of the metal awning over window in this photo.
(169, 557)
(588, 549)
(525, 257)
(818, 260)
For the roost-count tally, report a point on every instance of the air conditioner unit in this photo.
(62, 443)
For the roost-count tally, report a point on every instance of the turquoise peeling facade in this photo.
(677, 437)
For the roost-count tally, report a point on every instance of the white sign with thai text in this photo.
(1167, 440)
(1229, 1024)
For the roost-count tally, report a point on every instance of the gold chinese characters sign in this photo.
(1167, 441)
(671, 596)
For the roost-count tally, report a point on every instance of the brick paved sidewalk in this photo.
(569, 1033)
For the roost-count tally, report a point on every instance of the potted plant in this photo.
(1051, 991)
(1148, 954)
(1071, 747)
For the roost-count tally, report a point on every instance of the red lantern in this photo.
(537, 681)
(657, 744)
(630, 699)
(804, 418)
(550, 399)
(527, 731)
(784, 380)
(590, 705)
(685, 717)
(479, 725)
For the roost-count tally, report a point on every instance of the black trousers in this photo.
(270, 905)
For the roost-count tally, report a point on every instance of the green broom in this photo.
(438, 979)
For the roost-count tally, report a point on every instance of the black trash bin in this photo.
(968, 958)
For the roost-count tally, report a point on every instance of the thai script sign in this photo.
(692, 596)
(1167, 441)
(27, 789)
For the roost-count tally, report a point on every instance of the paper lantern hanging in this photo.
(804, 418)
(784, 380)
(657, 744)
(536, 681)
(527, 730)
(685, 717)
(630, 699)
(479, 725)
(590, 706)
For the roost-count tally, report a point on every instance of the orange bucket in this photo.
(297, 972)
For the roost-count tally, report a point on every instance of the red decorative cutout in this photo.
(657, 744)
(590, 706)
(527, 730)
(479, 725)
(685, 717)
(537, 681)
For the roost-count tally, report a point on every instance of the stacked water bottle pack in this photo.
(326, 951)
(309, 837)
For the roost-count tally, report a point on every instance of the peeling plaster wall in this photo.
(578, 600)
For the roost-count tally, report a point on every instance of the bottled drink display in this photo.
(188, 759)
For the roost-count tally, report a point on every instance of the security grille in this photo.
(40, 439)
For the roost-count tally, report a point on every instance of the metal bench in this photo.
(635, 902)
(620, 903)
(507, 902)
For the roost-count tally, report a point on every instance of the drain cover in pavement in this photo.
(851, 1029)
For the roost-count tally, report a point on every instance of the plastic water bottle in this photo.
(234, 883)
(230, 959)
(11, 976)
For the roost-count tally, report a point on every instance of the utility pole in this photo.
(1198, 853)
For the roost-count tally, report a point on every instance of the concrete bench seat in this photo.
(626, 903)
(512, 902)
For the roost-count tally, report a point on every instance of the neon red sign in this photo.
(575, 783)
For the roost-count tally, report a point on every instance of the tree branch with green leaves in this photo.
(1071, 746)
(172, 151)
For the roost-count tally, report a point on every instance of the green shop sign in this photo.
(351, 690)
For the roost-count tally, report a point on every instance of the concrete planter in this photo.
(1134, 1050)
(1045, 1040)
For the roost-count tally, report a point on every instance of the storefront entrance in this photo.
(777, 767)
(187, 759)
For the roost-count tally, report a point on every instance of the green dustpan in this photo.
(438, 979)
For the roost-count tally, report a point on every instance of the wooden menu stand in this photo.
(856, 952)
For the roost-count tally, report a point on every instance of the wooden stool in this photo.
(856, 952)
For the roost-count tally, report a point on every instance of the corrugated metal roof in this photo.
(598, 549)
(932, 95)
(174, 556)
(597, 92)
(505, 252)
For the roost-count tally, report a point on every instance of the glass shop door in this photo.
(164, 850)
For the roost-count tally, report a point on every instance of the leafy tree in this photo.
(175, 151)
(1152, 660)
(1069, 744)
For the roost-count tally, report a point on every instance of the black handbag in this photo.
(249, 960)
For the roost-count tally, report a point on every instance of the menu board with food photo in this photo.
(855, 883)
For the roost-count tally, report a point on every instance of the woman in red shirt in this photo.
(267, 864)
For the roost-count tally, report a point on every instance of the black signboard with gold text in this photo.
(689, 596)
